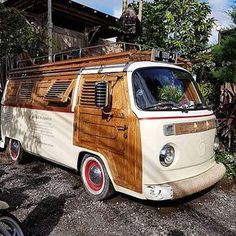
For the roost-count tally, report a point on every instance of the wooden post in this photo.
(50, 27)
(124, 5)
(140, 12)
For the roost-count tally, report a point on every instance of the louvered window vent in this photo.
(26, 89)
(59, 91)
(88, 94)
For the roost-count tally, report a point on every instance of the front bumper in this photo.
(182, 188)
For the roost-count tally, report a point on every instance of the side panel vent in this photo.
(88, 94)
(59, 91)
(26, 90)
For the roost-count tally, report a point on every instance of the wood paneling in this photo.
(115, 134)
(33, 93)
(12, 91)
(194, 127)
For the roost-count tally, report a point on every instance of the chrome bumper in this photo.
(182, 188)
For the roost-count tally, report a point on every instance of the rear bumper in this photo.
(182, 188)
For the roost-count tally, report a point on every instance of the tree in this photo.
(224, 72)
(180, 25)
(224, 55)
(16, 33)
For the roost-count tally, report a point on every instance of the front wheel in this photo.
(9, 225)
(16, 151)
(95, 178)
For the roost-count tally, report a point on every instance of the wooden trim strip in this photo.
(18, 76)
(48, 108)
(194, 127)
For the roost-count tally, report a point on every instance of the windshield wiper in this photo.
(162, 105)
(196, 106)
(183, 108)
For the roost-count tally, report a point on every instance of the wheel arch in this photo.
(103, 159)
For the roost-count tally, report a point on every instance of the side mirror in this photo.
(209, 104)
(102, 94)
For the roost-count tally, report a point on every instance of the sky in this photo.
(219, 11)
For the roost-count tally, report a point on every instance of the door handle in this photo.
(122, 128)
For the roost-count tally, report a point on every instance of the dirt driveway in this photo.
(50, 200)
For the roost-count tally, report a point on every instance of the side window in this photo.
(19, 92)
(40, 93)
(116, 87)
(59, 91)
(53, 93)
(25, 93)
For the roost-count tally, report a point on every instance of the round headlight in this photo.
(167, 155)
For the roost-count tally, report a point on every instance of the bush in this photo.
(229, 160)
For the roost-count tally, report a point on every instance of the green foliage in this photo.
(229, 160)
(170, 93)
(16, 33)
(233, 14)
(217, 65)
(206, 89)
(224, 56)
(203, 65)
(182, 25)
(225, 59)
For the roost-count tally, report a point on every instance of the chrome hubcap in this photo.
(15, 146)
(95, 175)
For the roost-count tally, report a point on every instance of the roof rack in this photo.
(74, 65)
(92, 58)
(98, 50)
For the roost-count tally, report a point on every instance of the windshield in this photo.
(165, 89)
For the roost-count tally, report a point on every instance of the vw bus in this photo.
(126, 121)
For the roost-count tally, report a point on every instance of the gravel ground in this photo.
(50, 200)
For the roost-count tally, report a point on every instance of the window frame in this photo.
(64, 95)
(25, 100)
(194, 84)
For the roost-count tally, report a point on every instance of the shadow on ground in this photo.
(47, 213)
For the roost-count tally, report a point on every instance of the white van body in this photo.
(49, 134)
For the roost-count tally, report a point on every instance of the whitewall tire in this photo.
(16, 151)
(95, 178)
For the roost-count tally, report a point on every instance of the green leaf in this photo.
(183, 26)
